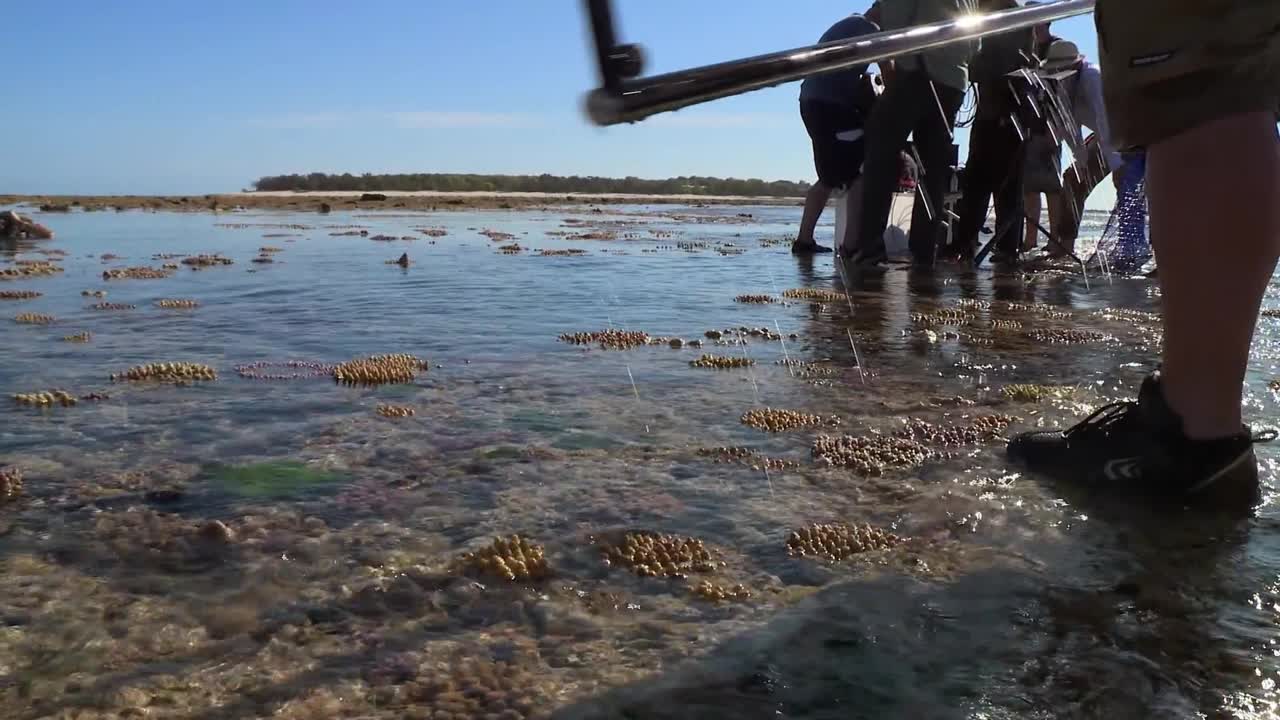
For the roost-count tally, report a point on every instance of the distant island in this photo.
(437, 182)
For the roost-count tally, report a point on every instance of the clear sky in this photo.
(148, 96)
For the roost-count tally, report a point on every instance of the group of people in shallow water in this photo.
(13, 225)
(1035, 93)
(1186, 97)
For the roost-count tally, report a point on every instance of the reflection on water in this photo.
(252, 547)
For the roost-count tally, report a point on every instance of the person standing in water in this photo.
(994, 167)
(1196, 84)
(923, 93)
(1077, 85)
(834, 107)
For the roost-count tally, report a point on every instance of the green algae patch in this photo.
(585, 441)
(277, 478)
(505, 452)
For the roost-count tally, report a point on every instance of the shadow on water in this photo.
(1129, 629)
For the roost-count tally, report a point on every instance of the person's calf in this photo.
(1216, 235)
(815, 201)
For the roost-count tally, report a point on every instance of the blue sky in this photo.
(163, 97)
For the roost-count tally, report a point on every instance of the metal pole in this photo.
(603, 33)
(638, 98)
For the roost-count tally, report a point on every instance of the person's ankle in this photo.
(1198, 423)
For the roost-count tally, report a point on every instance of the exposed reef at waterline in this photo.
(177, 304)
(181, 372)
(720, 362)
(46, 398)
(778, 420)
(608, 339)
(380, 370)
(815, 295)
(137, 273)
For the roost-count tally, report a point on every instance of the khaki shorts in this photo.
(1171, 65)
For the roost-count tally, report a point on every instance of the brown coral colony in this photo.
(380, 370)
(512, 559)
(838, 541)
(608, 339)
(167, 372)
(654, 555)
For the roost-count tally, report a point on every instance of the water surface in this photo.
(333, 591)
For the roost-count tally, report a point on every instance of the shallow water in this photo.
(329, 589)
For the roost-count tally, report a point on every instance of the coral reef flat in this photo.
(537, 485)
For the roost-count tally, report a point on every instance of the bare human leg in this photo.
(1210, 313)
(1204, 112)
(815, 201)
(1033, 218)
(853, 217)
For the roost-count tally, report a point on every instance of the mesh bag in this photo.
(1124, 246)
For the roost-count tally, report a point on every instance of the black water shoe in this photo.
(1140, 447)
(808, 248)
(870, 260)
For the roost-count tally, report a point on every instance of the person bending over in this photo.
(13, 225)
(834, 107)
(1197, 84)
(1077, 83)
(922, 95)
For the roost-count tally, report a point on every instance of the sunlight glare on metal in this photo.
(970, 21)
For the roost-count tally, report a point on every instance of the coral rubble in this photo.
(301, 368)
(395, 411)
(719, 593)
(748, 457)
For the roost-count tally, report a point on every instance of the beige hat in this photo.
(1062, 55)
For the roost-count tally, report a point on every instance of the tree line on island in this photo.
(437, 182)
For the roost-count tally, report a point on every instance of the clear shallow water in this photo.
(333, 596)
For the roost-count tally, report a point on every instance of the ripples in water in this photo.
(259, 546)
